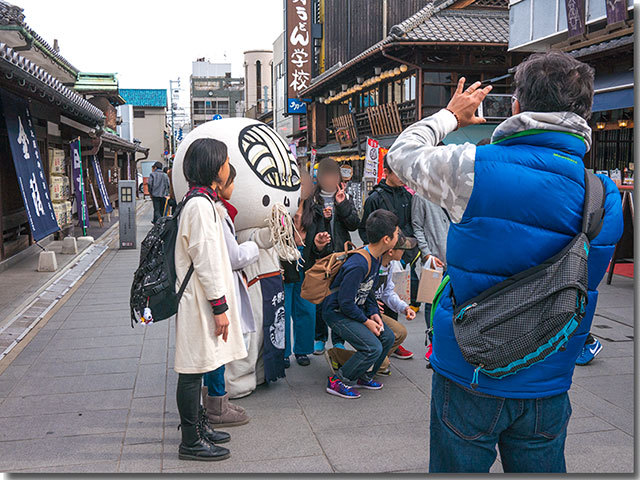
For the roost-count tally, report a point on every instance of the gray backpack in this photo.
(531, 315)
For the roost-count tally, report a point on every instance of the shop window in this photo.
(436, 95)
(436, 77)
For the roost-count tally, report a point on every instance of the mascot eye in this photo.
(266, 200)
(269, 157)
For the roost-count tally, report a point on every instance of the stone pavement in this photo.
(91, 394)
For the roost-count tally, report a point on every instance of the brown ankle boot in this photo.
(232, 406)
(220, 412)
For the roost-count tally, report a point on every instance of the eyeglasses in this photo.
(513, 98)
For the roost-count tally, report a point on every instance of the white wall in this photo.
(251, 96)
(150, 131)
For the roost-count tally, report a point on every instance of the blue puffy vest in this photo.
(526, 205)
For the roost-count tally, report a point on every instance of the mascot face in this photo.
(267, 172)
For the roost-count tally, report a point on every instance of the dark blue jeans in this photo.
(466, 426)
(370, 349)
(214, 381)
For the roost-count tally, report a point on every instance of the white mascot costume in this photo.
(266, 194)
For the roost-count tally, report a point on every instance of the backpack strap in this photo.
(367, 257)
(593, 210)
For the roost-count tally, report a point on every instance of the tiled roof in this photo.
(119, 142)
(29, 75)
(434, 23)
(145, 97)
(13, 15)
(468, 25)
(603, 46)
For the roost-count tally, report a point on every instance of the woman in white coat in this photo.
(221, 412)
(208, 328)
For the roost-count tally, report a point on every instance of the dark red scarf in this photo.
(233, 211)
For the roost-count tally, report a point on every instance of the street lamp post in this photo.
(173, 132)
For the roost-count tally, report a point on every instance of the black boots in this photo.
(196, 446)
(214, 436)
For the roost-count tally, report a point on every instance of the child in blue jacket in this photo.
(353, 313)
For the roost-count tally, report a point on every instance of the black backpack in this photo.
(153, 291)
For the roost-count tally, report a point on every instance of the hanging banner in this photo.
(381, 154)
(616, 11)
(371, 159)
(78, 185)
(28, 164)
(298, 53)
(575, 17)
(97, 172)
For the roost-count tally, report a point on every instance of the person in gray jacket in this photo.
(158, 189)
(430, 227)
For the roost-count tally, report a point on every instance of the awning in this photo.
(472, 134)
(613, 91)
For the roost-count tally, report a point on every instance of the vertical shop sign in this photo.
(371, 159)
(575, 17)
(78, 186)
(616, 11)
(97, 172)
(28, 164)
(298, 53)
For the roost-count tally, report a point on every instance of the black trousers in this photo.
(322, 330)
(188, 396)
(158, 207)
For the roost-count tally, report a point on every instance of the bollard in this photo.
(69, 246)
(47, 262)
(86, 239)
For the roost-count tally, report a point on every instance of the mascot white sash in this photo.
(267, 187)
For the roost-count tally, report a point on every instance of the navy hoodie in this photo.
(354, 296)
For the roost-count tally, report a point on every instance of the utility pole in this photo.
(173, 131)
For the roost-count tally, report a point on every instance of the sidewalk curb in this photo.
(98, 248)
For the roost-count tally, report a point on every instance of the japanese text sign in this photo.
(299, 43)
(28, 164)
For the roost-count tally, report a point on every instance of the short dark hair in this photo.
(385, 164)
(328, 165)
(158, 165)
(381, 223)
(554, 82)
(203, 160)
(232, 175)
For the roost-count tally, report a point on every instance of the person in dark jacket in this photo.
(158, 189)
(328, 211)
(391, 194)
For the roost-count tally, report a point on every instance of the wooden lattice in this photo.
(491, 3)
(385, 119)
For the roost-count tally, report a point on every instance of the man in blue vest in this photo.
(513, 204)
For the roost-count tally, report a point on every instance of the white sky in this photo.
(149, 42)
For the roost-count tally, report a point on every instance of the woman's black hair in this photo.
(203, 160)
(232, 176)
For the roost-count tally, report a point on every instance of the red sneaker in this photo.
(402, 353)
(428, 354)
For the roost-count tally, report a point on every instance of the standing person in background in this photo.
(297, 309)
(431, 226)
(172, 204)
(221, 412)
(391, 194)
(207, 325)
(329, 212)
(158, 189)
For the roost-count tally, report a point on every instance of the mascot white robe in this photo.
(267, 186)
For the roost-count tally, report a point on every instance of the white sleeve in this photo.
(240, 255)
(441, 174)
(390, 298)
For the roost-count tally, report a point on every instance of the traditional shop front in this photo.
(409, 75)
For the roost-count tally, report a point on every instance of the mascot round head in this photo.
(267, 172)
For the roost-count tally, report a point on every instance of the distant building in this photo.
(149, 118)
(214, 92)
(257, 82)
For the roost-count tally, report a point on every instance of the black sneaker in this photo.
(287, 362)
(303, 360)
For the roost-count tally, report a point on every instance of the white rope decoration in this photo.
(282, 230)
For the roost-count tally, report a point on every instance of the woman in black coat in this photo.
(328, 216)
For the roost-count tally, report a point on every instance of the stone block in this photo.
(69, 246)
(87, 238)
(47, 262)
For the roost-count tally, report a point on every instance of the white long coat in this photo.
(201, 240)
